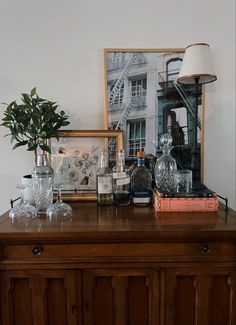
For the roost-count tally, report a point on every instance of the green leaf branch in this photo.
(33, 121)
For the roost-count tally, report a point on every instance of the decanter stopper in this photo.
(166, 140)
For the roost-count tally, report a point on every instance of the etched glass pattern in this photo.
(165, 166)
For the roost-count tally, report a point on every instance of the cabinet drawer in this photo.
(199, 250)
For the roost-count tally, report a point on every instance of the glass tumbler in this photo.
(183, 180)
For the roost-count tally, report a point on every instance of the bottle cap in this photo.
(140, 154)
(121, 153)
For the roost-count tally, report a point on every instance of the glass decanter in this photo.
(24, 210)
(165, 166)
(59, 210)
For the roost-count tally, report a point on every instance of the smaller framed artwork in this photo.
(75, 159)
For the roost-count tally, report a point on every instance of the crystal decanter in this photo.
(165, 166)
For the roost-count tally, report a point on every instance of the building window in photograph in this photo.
(139, 91)
(136, 137)
(172, 68)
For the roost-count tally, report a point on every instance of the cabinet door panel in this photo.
(19, 307)
(200, 296)
(55, 301)
(185, 287)
(121, 297)
(222, 300)
(103, 299)
(138, 300)
(40, 297)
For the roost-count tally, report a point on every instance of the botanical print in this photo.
(76, 157)
(75, 167)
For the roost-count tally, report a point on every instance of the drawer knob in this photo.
(205, 248)
(36, 250)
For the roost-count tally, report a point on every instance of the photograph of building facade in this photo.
(144, 100)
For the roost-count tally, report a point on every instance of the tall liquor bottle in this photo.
(104, 181)
(141, 181)
(121, 181)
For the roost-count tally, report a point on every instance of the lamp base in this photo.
(195, 167)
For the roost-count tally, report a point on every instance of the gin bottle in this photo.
(141, 181)
(104, 181)
(121, 181)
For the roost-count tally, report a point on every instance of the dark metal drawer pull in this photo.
(205, 248)
(36, 250)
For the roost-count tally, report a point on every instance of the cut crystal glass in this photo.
(59, 210)
(165, 166)
(24, 210)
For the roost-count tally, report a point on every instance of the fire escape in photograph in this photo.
(172, 97)
(126, 94)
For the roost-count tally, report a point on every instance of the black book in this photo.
(197, 192)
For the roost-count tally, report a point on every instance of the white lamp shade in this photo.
(196, 64)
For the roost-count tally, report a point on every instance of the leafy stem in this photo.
(33, 121)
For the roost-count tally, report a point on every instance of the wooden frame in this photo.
(75, 160)
(139, 84)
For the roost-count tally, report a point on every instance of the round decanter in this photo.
(165, 166)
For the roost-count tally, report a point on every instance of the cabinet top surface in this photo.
(91, 222)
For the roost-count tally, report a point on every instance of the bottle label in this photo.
(141, 199)
(119, 175)
(141, 196)
(141, 193)
(104, 185)
(123, 181)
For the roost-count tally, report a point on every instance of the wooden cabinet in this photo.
(203, 296)
(121, 296)
(119, 266)
(30, 297)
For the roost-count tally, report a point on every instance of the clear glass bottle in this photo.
(104, 181)
(141, 181)
(165, 166)
(121, 181)
(42, 176)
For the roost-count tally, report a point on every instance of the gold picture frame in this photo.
(139, 84)
(75, 159)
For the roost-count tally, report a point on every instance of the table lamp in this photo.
(196, 69)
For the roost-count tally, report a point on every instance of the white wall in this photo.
(57, 45)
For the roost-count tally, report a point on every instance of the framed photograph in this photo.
(75, 159)
(143, 98)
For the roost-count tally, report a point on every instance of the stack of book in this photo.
(198, 200)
